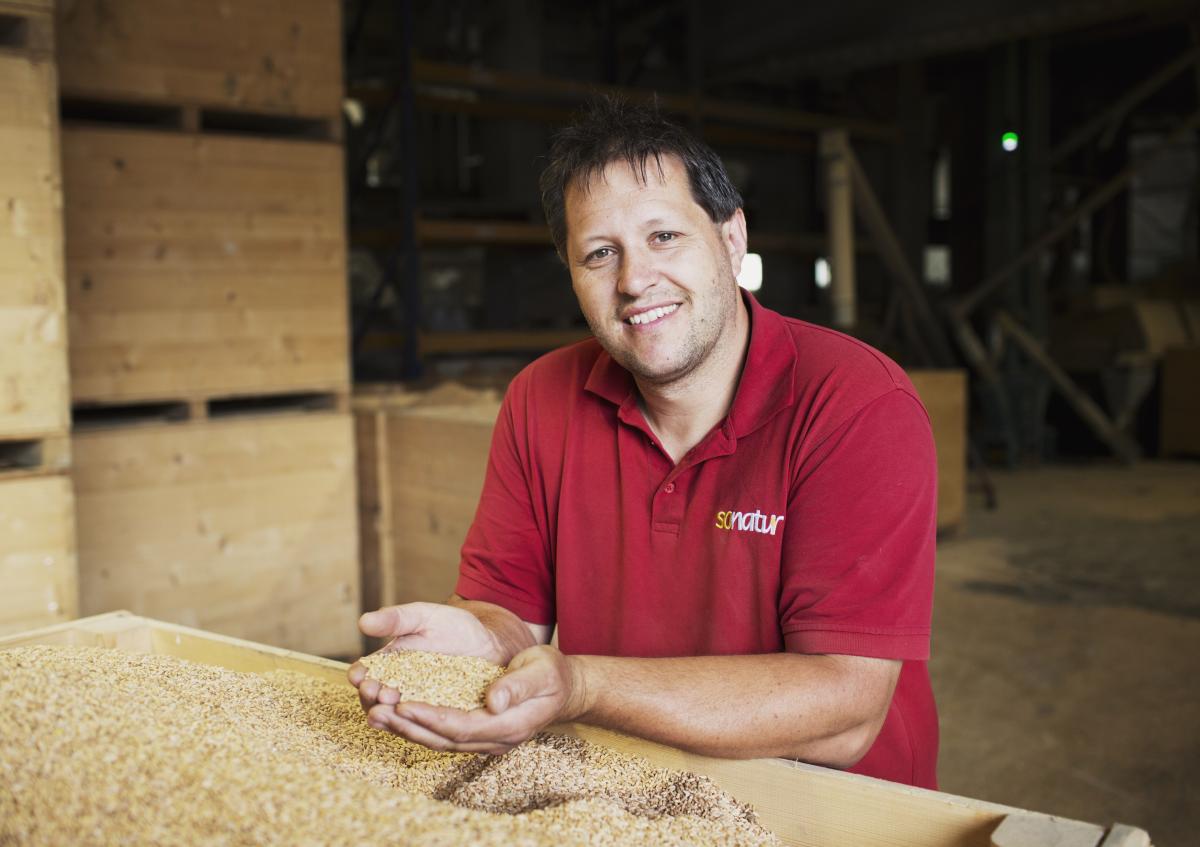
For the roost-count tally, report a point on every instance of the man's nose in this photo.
(637, 273)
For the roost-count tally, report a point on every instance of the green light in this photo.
(1010, 141)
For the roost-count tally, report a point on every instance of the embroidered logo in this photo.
(754, 521)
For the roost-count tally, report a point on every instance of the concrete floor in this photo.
(1066, 652)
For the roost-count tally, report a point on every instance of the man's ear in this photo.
(733, 235)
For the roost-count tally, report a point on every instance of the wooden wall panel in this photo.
(37, 553)
(246, 526)
(274, 56)
(203, 265)
(33, 336)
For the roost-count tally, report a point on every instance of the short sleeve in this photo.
(506, 559)
(857, 569)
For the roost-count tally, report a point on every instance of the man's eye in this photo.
(664, 237)
(602, 253)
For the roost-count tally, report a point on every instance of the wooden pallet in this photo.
(26, 457)
(37, 553)
(243, 525)
(26, 27)
(33, 334)
(195, 118)
(802, 804)
(203, 265)
(90, 416)
(251, 57)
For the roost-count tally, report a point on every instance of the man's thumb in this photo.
(387, 622)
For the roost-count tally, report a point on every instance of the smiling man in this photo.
(728, 514)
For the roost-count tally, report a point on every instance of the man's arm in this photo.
(822, 709)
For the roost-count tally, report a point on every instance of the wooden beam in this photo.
(1000, 277)
(1121, 444)
(481, 231)
(871, 213)
(723, 111)
(1123, 105)
(839, 187)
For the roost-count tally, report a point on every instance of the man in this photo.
(728, 514)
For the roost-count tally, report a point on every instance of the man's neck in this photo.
(682, 413)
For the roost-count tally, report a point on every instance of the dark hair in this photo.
(612, 129)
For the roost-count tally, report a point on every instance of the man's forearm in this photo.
(821, 709)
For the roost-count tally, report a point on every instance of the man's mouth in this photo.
(651, 315)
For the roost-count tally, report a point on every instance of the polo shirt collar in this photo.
(766, 387)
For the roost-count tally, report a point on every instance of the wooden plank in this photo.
(802, 804)
(37, 553)
(246, 526)
(33, 332)
(203, 265)
(276, 56)
(944, 393)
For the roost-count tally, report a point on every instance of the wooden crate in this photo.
(421, 462)
(801, 804)
(944, 393)
(33, 336)
(275, 56)
(244, 525)
(37, 553)
(1179, 410)
(203, 265)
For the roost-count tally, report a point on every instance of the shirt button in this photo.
(669, 487)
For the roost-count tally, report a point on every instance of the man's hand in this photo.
(542, 687)
(433, 627)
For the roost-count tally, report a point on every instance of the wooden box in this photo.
(203, 265)
(944, 393)
(801, 804)
(421, 463)
(33, 338)
(244, 525)
(275, 56)
(1179, 411)
(37, 553)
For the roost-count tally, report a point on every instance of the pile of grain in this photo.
(104, 747)
(458, 681)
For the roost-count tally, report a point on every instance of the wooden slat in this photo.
(275, 56)
(33, 335)
(246, 526)
(37, 553)
(203, 265)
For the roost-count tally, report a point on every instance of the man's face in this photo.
(655, 277)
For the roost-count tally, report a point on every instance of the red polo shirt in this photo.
(803, 522)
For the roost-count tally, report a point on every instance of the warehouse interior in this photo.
(267, 269)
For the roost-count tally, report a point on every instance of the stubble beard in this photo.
(697, 347)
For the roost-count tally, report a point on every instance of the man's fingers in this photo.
(356, 674)
(383, 717)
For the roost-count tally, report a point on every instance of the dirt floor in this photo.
(1067, 646)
